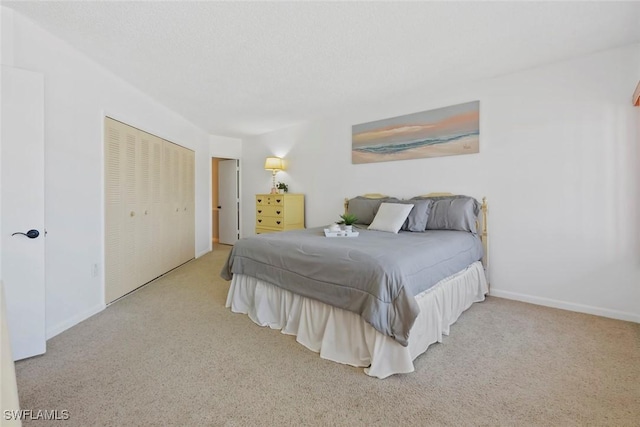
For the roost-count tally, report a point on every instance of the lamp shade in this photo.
(273, 164)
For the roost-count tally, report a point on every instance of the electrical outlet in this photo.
(94, 270)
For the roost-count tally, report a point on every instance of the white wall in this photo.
(225, 147)
(559, 164)
(78, 94)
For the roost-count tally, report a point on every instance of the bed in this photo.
(377, 300)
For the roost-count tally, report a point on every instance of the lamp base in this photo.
(274, 190)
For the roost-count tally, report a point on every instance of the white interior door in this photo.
(22, 209)
(228, 199)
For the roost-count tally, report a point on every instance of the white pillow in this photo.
(390, 217)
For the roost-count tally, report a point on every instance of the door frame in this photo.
(211, 171)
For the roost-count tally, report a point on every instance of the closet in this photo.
(149, 207)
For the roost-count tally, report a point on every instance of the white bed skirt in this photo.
(343, 336)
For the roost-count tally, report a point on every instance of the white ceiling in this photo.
(245, 68)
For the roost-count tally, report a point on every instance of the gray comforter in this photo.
(375, 275)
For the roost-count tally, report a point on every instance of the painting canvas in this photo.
(443, 132)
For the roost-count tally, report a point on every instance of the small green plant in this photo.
(348, 219)
(282, 186)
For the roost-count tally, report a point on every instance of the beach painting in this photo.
(447, 131)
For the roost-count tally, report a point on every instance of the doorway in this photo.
(225, 201)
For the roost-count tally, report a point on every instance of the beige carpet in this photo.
(171, 354)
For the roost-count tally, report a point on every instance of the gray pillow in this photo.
(452, 213)
(417, 219)
(365, 209)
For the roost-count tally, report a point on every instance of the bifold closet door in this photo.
(121, 219)
(171, 178)
(149, 207)
(150, 231)
(187, 218)
(180, 204)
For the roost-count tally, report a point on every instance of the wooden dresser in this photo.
(279, 212)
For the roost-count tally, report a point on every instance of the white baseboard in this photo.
(199, 254)
(580, 308)
(61, 327)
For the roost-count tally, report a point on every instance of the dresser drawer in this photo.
(276, 211)
(271, 222)
(279, 212)
(270, 200)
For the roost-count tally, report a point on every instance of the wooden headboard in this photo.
(481, 222)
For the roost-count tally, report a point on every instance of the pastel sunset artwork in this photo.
(445, 131)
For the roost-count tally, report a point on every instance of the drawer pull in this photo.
(259, 200)
(259, 211)
(278, 212)
(278, 222)
(277, 200)
(259, 220)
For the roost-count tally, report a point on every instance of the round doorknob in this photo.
(132, 214)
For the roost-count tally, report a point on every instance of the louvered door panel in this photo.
(190, 214)
(121, 210)
(145, 227)
(180, 204)
(187, 218)
(114, 207)
(167, 205)
(177, 205)
(156, 209)
(171, 245)
(131, 215)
